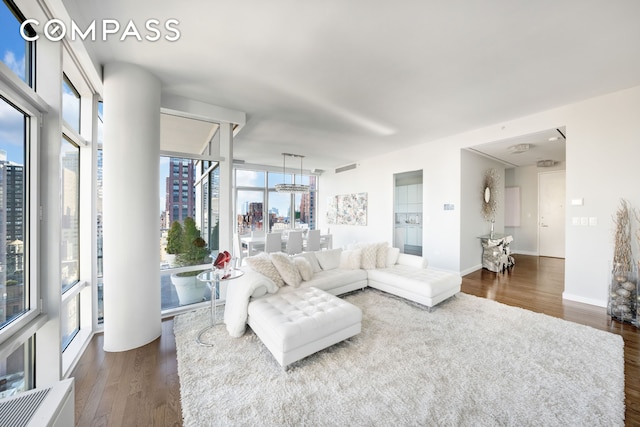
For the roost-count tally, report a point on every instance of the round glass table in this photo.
(213, 278)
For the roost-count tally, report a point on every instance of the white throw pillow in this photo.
(369, 255)
(286, 268)
(350, 259)
(329, 259)
(263, 265)
(392, 256)
(381, 255)
(313, 261)
(304, 267)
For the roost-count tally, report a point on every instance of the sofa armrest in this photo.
(412, 261)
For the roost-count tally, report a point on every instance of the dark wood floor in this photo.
(141, 388)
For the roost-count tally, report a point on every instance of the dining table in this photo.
(255, 243)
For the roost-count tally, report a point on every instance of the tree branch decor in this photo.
(623, 289)
(622, 258)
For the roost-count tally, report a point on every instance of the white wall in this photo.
(441, 178)
(525, 237)
(603, 135)
(472, 223)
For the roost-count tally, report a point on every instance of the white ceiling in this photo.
(180, 134)
(527, 150)
(339, 81)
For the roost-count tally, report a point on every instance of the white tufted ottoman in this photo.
(297, 324)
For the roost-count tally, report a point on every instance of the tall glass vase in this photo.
(623, 294)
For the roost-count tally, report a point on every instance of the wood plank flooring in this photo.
(141, 387)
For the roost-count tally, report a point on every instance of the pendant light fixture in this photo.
(291, 188)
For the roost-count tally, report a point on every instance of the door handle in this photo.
(544, 225)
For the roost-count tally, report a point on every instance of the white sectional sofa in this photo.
(337, 272)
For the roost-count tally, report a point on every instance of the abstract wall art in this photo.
(347, 209)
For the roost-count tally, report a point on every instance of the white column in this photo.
(131, 207)
(226, 175)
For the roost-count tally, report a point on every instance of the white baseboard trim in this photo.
(590, 301)
(471, 269)
(517, 252)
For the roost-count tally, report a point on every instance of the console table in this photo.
(496, 255)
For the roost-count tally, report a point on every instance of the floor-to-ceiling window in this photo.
(19, 134)
(189, 212)
(259, 207)
(99, 214)
(70, 237)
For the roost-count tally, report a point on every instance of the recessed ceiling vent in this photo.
(346, 168)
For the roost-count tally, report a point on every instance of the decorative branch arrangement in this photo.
(623, 290)
(489, 194)
(622, 258)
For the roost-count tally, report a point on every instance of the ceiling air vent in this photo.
(346, 168)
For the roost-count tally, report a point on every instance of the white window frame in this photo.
(18, 93)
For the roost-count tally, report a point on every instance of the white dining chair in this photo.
(326, 241)
(273, 242)
(238, 251)
(313, 240)
(294, 242)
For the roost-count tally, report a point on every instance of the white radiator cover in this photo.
(52, 407)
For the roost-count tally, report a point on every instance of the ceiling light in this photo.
(553, 138)
(518, 148)
(291, 188)
(546, 163)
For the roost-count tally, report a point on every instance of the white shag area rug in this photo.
(470, 362)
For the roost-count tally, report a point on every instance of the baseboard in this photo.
(517, 252)
(471, 269)
(590, 301)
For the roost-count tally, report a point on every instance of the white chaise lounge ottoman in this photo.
(411, 279)
(297, 324)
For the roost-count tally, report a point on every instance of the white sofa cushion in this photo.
(336, 278)
(350, 259)
(392, 256)
(329, 259)
(263, 265)
(313, 261)
(369, 255)
(304, 267)
(287, 269)
(381, 254)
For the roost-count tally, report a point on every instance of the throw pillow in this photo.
(263, 265)
(350, 260)
(304, 267)
(329, 259)
(369, 255)
(392, 256)
(381, 255)
(286, 268)
(313, 261)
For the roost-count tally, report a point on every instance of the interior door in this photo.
(551, 214)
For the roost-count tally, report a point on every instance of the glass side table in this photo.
(213, 278)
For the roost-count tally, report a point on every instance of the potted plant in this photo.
(192, 250)
(174, 242)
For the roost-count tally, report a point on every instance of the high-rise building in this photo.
(11, 235)
(181, 194)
